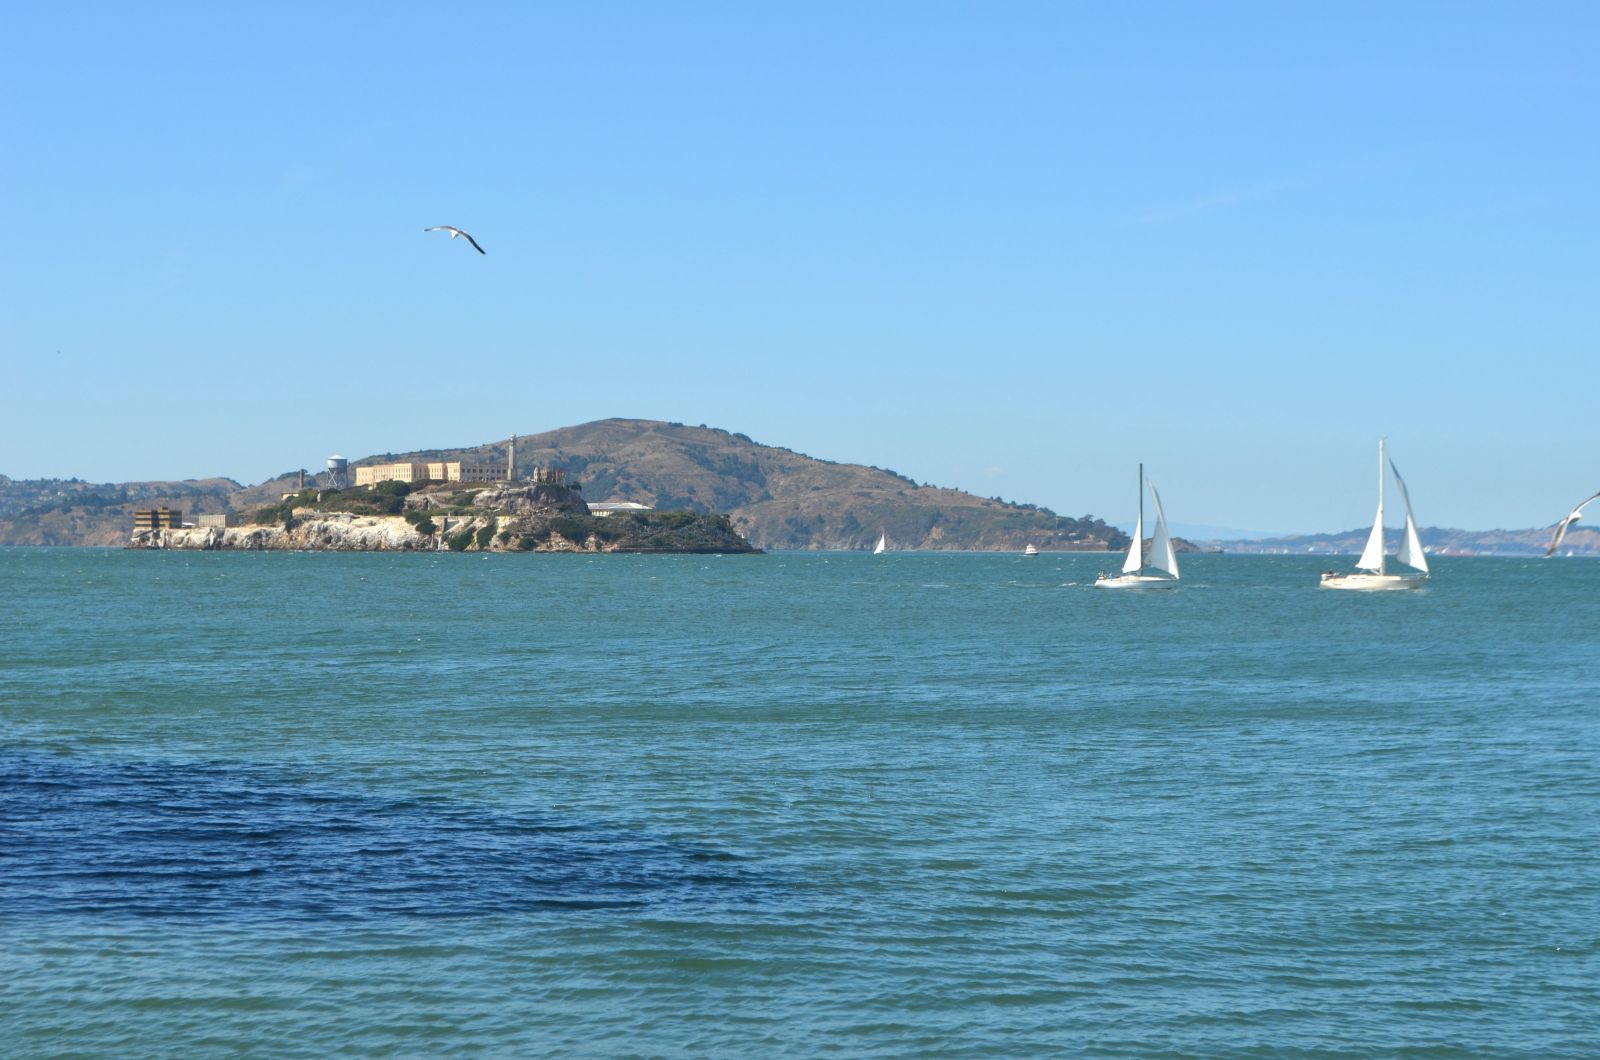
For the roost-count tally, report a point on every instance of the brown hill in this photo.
(779, 498)
(776, 498)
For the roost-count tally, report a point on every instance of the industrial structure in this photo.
(602, 509)
(436, 470)
(338, 472)
(158, 519)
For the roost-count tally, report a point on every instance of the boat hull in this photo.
(1136, 581)
(1373, 583)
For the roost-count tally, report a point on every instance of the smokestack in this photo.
(302, 478)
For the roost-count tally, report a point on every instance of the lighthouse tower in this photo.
(511, 460)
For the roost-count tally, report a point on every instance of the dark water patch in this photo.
(216, 839)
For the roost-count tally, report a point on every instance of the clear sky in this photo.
(1014, 248)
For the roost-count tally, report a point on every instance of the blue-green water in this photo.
(793, 805)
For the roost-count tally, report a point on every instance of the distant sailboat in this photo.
(1162, 558)
(1566, 524)
(1371, 571)
(882, 545)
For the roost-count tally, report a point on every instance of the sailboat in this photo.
(882, 545)
(1566, 524)
(1371, 572)
(1161, 557)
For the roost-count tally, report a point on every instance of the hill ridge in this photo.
(779, 497)
(775, 496)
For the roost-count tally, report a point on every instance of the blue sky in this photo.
(1011, 248)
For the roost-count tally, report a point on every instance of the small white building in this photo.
(605, 508)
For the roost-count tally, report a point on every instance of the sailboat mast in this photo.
(1140, 542)
(1382, 550)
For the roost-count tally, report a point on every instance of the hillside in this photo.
(74, 512)
(775, 497)
(778, 498)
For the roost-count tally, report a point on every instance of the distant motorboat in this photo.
(1371, 573)
(882, 545)
(1162, 558)
(1031, 550)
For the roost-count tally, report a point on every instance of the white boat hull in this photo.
(1135, 581)
(1372, 583)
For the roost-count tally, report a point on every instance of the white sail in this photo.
(1410, 553)
(1135, 558)
(1162, 557)
(1372, 555)
(883, 543)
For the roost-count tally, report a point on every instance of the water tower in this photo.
(338, 472)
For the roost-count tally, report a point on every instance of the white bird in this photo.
(454, 231)
(1564, 525)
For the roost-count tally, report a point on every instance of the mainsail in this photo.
(1372, 555)
(1135, 558)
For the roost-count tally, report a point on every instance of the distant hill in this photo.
(776, 498)
(74, 512)
(1580, 540)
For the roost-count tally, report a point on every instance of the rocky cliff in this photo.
(520, 525)
(326, 532)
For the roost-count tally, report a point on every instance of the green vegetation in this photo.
(572, 528)
(273, 514)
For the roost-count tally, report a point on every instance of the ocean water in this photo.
(802, 805)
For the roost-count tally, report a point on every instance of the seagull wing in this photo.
(474, 242)
(1565, 524)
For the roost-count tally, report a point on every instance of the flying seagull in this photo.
(1564, 525)
(454, 231)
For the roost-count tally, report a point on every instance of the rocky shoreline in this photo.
(335, 532)
(538, 518)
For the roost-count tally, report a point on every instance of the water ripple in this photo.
(205, 839)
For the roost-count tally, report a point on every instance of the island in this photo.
(398, 516)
